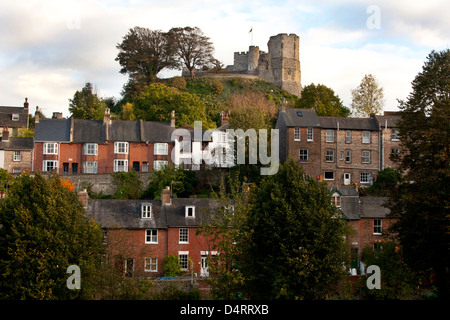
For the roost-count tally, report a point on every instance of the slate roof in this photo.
(292, 117)
(89, 131)
(6, 117)
(348, 123)
(389, 120)
(17, 143)
(57, 130)
(355, 208)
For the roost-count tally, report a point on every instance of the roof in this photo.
(57, 130)
(89, 131)
(388, 120)
(355, 208)
(296, 117)
(17, 143)
(348, 123)
(127, 213)
(6, 118)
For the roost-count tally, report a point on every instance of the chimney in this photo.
(83, 197)
(57, 116)
(107, 122)
(26, 104)
(225, 117)
(5, 136)
(172, 119)
(165, 196)
(36, 115)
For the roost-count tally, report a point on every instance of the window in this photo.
(366, 177)
(330, 136)
(151, 264)
(184, 235)
(90, 167)
(348, 156)
(105, 237)
(365, 156)
(296, 134)
(15, 117)
(17, 156)
(161, 149)
(395, 150)
(310, 136)
(50, 148)
(348, 136)
(336, 200)
(366, 137)
(377, 226)
(146, 211)
(395, 134)
(144, 166)
(329, 175)
(74, 168)
(151, 236)
(183, 260)
(65, 168)
(17, 170)
(329, 156)
(159, 164)
(121, 147)
(190, 212)
(49, 165)
(303, 155)
(90, 149)
(120, 165)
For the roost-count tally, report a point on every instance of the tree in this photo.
(143, 53)
(368, 97)
(420, 201)
(323, 100)
(157, 101)
(295, 247)
(128, 185)
(44, 231)
(86, 104)
(194, 49)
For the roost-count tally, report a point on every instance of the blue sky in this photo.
(50, 48)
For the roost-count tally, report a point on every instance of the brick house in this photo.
(73, 146)
(339, 150)
(16, 153)
(141, 233)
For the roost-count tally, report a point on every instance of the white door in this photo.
(204, 270)
(346, 179)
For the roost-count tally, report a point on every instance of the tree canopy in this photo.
(368, 97)
(86, 104)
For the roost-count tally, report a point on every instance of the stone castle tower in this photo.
(280, 65)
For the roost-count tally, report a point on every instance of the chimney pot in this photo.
(172, 119)
(165, 196)
(5, 136)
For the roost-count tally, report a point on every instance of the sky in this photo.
(51, 48)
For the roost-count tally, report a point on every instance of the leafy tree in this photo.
(86, 104)
(194, 49)
(157, 101)
(295, 247)
(420, 202)
(172, 267)
(143, 53)
(368, 97)
(44, 231)
(385, 182)
(128, 185)
(323, 100)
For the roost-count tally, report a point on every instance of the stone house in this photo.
(339, 150)
(16, 153)
(15, 118)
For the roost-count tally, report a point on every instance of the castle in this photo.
(280, 65)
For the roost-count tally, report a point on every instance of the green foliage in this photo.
(172, 266)
(323, 100)
(86, 104)
(128, 185)
(295, 246)
(6, 180)
(45, 230)
(182, 182)
(385, 182)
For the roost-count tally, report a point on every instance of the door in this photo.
(136, 166)
(129, 267)
(204, 270)
(346, 179)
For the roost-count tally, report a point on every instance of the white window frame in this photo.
(121, 147)
(395, 134)
(348, 156)
(45, 162)
(183, 260)
(186, 212)
(159, 164)
(17, 155)
(329, 155)
(367, 177)
(161, 149)
(329, 136)
(151, 236)
(348, 136)
(145, 166)
(303, 155)
(336, 200)
(378, 226)
(50, 148)
(297, 134)
(310, 134)
(90, 149)
(15, 117)
(366, 137)
(90, 166)
(183, 236)
(151, 264)
(117, 166)
(324, 174)
(146, 211)
(365, 156)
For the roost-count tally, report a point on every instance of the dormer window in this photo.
(146, 211)
(15, 117)
(190, 212)
(336, 200)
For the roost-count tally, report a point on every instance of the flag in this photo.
(251, 30)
